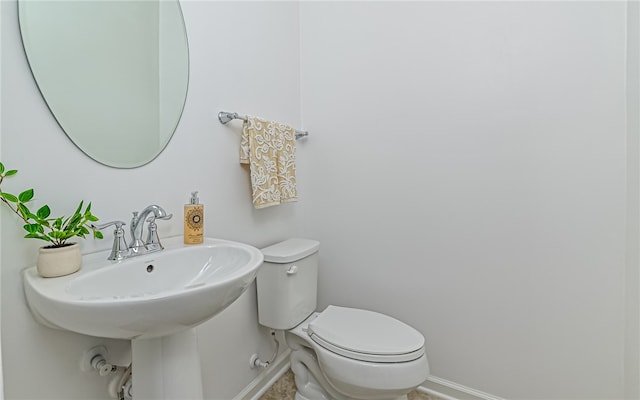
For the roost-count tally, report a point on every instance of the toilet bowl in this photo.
(340, 353)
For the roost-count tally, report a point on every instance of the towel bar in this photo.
(224, 117)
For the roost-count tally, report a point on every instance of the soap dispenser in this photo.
(193, 221)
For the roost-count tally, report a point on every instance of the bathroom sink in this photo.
(149, 296)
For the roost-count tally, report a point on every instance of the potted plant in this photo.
(60, 256)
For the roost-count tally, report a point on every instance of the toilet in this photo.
(340, 353)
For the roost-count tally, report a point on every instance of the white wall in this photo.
(225, 40)
(468, 176)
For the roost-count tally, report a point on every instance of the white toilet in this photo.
(339, 353)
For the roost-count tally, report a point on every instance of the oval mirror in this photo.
(113, 73)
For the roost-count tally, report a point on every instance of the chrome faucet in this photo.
(137, 247)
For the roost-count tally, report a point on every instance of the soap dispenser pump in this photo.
(193, 221)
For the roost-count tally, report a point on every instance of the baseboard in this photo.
(266, 378)
(439, 388)
(447, 390)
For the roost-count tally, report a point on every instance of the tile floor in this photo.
(285, 389)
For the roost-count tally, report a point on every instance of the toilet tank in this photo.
(287, 283)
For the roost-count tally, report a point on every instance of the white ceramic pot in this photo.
(59, 261)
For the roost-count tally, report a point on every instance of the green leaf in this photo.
(33, 228)
(24, 211)
(9, 197)
(57, 234)
(97, 235)
(43, 212)
(73, 222)
(43, 222)
(79, 208)
(36, 236)
(1, 167)
(11, 172)
(69, 234)
(26, 196)
(92, 218)
(57, 224)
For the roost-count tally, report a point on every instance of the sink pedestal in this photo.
(167, 367)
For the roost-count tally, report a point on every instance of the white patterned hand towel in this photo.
(269, 148)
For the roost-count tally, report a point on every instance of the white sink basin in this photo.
(147, 296)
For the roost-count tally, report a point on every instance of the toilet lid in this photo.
(290, 250)
(366, 335)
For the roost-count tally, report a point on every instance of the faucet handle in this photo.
(119, 249)
(118, 224)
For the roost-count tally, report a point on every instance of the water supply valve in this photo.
(95, 359)
(101, 365)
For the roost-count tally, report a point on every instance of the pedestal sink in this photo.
(154, 300)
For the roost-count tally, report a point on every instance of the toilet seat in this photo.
(366, 335)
